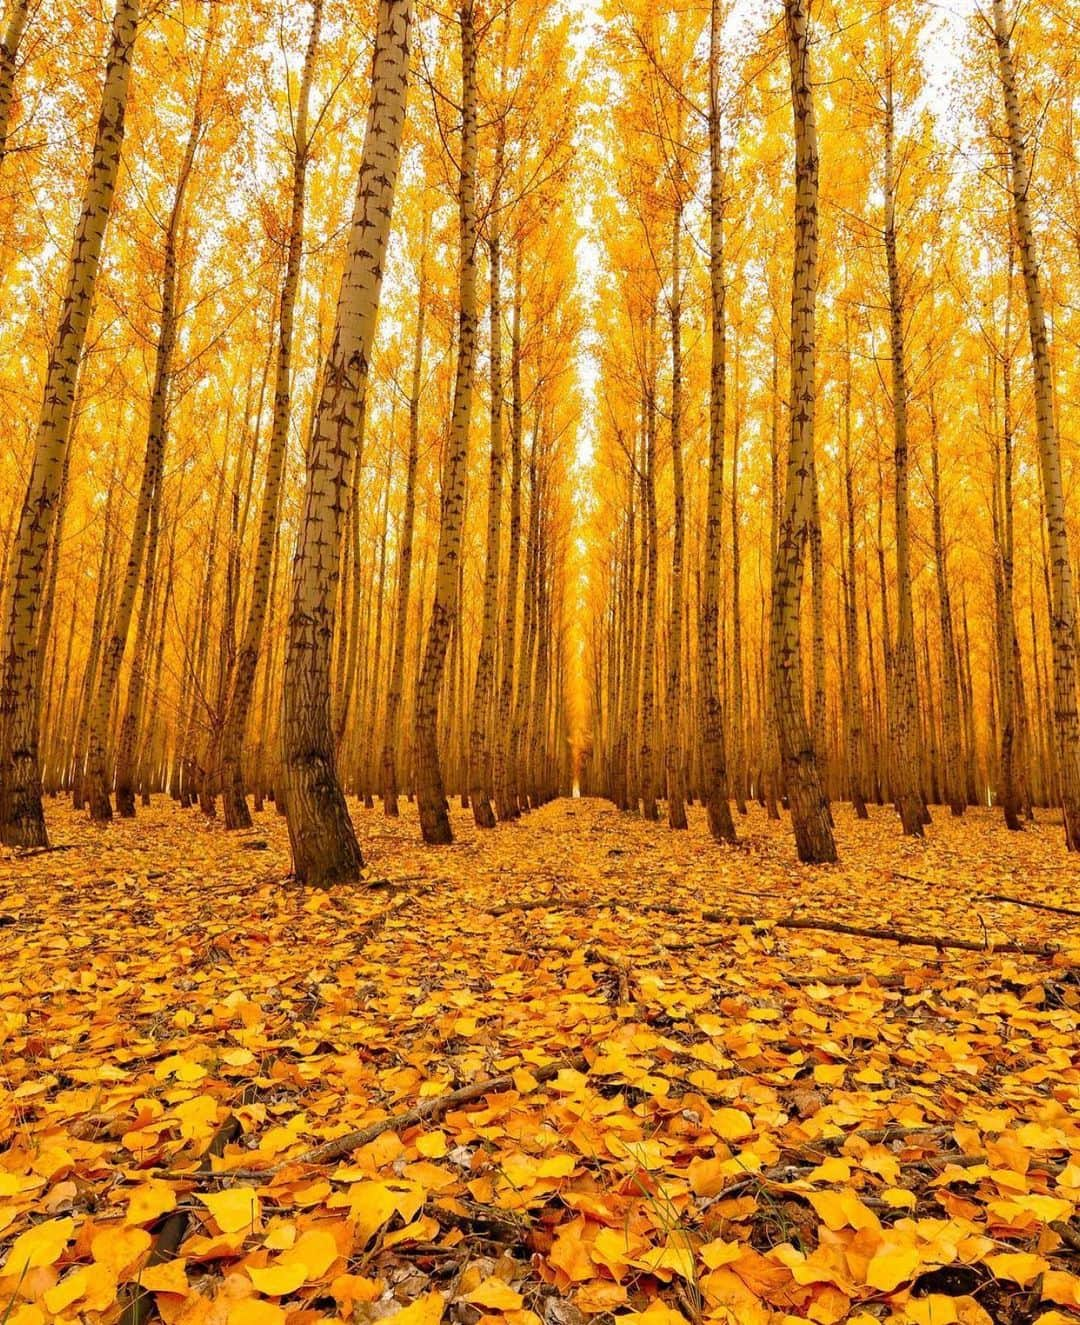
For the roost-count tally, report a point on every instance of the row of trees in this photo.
(384, 509)
(934, 660)
(256, 545)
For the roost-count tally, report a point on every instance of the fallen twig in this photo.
(428, 1111)
(897, 936)
(1036, 906)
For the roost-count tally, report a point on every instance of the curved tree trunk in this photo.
(324, 845)
(430, 793)
(809, 812)
(22, 822)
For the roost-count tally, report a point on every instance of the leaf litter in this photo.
(579, 1069)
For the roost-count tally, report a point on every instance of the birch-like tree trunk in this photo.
(505, 803)
(324, 845)
(97, 768)
(22, 822)
(14, 30)
(481, 771)
(809, 813)
(676, 787)
(714, 758)
(905, 706)
(391, 736)
(1063, 613)
(648, 665)
(234, 801)
(430, 792)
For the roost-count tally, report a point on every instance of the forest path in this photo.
(744, 1107)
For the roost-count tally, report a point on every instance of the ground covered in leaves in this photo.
(564, 1072)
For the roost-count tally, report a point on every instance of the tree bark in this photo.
(481, 772)
(676, 789)
(324, 846)
(234, 801)
(1063, 615)
(713, 753)
(905, 706)
(405, 545)
(22, 821)
(430, 792)
(809, 814)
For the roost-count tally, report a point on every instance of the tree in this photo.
(22, 822)
(1063, 622)
(430, 791)
(324, 845)
(231, 773)
(809, 813)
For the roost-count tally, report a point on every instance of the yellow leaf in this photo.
(1019, 1266)
(169, 1277)
(718, 1253)
(70, 1289)
(233, 1210)
(150, 1201)
(277, 1280)
(314, 1252)
(1060, 1286)
(731, 1124)
(253, 1312)
(41, 1245)
(890, 1266)
(119, 1248)
(432, 1145)
(495, 1295)
(841, 1210)
(426, 1310)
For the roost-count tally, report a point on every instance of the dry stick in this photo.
(1067, 1234)
(889, 935)
(573, 904)
(1037, 906)
(171, 1234)
(341, 1146)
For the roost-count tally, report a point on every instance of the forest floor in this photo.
(671, 1109)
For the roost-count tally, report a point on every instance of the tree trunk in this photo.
(234, 801)
(430, 792)
(405, 545)
(648, 666)
(809, 815)
(22, 822)
(853, 701)
(324, 846)
(714, 759)
(15, 27)
(481, 772)
(1063, 616)
(505, 805)
(676, 790)
(905, 708)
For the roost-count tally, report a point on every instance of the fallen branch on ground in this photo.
(1036, 906)
(896, 936)
(428, 1111)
